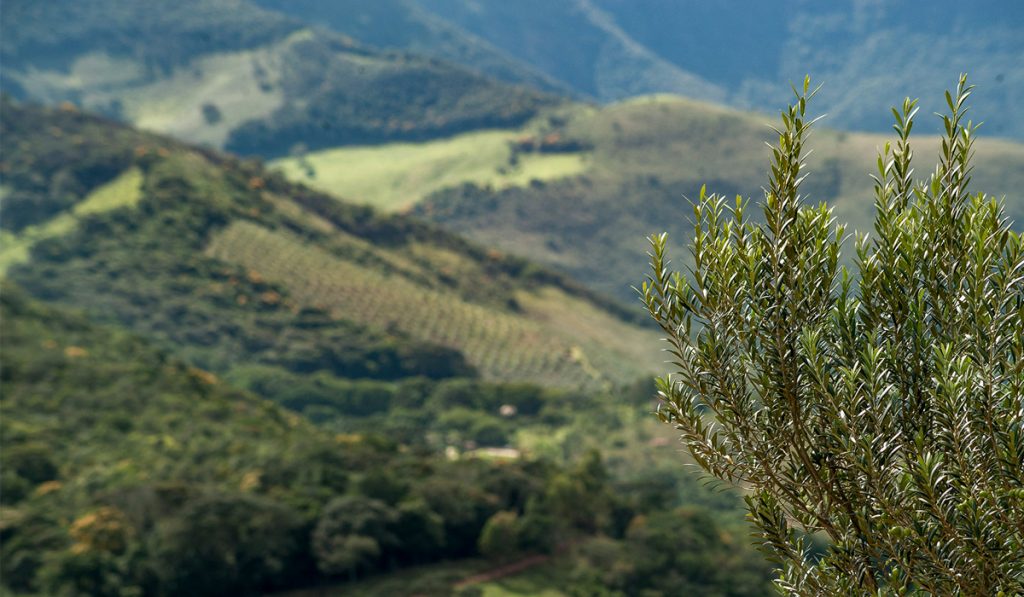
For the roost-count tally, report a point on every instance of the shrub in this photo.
(884, 413)
(499, 538)
(352, 535)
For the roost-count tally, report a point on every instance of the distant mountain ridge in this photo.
(267, 77)
(869, 53)
(228, 74)
(410, 26)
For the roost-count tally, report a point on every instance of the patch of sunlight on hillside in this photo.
(123, 191)
(666, 102)
(535, 581)
(665, 98)
(206, 100)
(395, 176)
(97, 70)
(517, 587)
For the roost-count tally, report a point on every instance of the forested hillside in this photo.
(239, 385)
(231, 264)
(126, 472)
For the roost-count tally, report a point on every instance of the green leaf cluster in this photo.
(881, 408)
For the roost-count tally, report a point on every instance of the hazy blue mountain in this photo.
(409, 26)
(868, 53)
(271, 76)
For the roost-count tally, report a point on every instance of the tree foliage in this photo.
(248, 544)
(881, 407)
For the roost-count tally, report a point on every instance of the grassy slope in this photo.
(241, 244)
(647, 156)
(674, 138)
(534, 344)
(395, 176)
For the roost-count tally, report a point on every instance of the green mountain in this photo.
(227, 74)
(580, 188)
(226, 264)
(406, 25)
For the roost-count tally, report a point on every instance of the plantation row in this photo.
(501, 346)
(606, 344)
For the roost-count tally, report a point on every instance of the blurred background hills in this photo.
(341, 290)
(870, 54)
(498, 101)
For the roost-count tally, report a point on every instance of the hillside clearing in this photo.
(395, 176)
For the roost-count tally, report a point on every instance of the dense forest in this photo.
(120, 460)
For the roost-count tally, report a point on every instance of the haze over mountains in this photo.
(250, 59)
(870, 54)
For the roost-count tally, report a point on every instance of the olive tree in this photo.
(880, 408)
